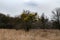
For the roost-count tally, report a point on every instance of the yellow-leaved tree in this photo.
(28, 18)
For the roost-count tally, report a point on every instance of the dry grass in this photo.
(36, 34)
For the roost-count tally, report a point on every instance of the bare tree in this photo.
(56, 17)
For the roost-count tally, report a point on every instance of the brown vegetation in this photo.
(33, 34)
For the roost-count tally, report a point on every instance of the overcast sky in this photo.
(15, 7)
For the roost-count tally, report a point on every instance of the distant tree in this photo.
(43, 21)
(56, 18)
(5, 21)
(28, 18)
(2, 20)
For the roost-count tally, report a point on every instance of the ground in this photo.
(34, 34)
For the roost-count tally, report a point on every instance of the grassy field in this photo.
(34, 34)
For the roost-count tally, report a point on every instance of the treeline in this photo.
(30, 20)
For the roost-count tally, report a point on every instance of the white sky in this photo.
(15, 7)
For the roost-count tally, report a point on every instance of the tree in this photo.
(44, 21)
(56, 17)
(28, 18)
